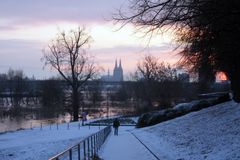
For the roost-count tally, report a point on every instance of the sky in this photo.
(27, 26)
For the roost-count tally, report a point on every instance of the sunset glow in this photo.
(30, 32)
(221, 76)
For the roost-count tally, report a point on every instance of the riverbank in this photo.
(41, 143)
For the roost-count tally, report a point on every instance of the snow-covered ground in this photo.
(212, 133)
(40, 144)
(124, 147)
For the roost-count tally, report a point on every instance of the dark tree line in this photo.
(156, 85)
(48, 98)
(208, 30)
(20, 94)
(150, 73)
(14, 83)
(165, 94)
(53, 97)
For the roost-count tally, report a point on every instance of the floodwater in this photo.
(15, 123)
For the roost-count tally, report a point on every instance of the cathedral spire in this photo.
(120, 64)
(116, 63)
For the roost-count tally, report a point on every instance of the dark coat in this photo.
(116, 123)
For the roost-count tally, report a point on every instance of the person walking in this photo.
(116, 124)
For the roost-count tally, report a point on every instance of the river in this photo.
(15, 123)
(8, 123)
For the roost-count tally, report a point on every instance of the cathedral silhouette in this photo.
(117, 73)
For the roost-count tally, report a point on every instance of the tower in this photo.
(118, 72)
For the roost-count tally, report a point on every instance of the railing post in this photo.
(88, 150)
(70, 154)
(91, 146)
(78, 148)
(98, 138)
(96, 143)
(94, 152)
(88, 145)
(84, 149)
(102, 137)
(105, 131)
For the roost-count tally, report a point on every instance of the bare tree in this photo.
(150, 72)
(150, 69)
(66, 54)
(207, 29)
(152, 15)
(17, 86)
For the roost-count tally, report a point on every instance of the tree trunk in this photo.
(206, 77)
(235, 85)
(149, 89)
(75, 104)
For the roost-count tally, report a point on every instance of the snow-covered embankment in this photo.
(212, 133)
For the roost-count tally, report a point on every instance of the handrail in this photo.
(87, 148)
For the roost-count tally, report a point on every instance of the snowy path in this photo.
(124, 146)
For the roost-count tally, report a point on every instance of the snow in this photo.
(185, 106)
(211, 133)
(40, 144)
(124, 146)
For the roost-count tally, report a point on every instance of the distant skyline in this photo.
(27, 26)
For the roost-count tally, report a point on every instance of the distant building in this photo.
(117, 73)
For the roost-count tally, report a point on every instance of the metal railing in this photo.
(85, 149)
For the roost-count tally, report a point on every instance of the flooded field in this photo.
(10, 123)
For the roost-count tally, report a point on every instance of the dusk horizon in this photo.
(26, 28)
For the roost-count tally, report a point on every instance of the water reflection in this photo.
(15, 123)
(30, 120)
